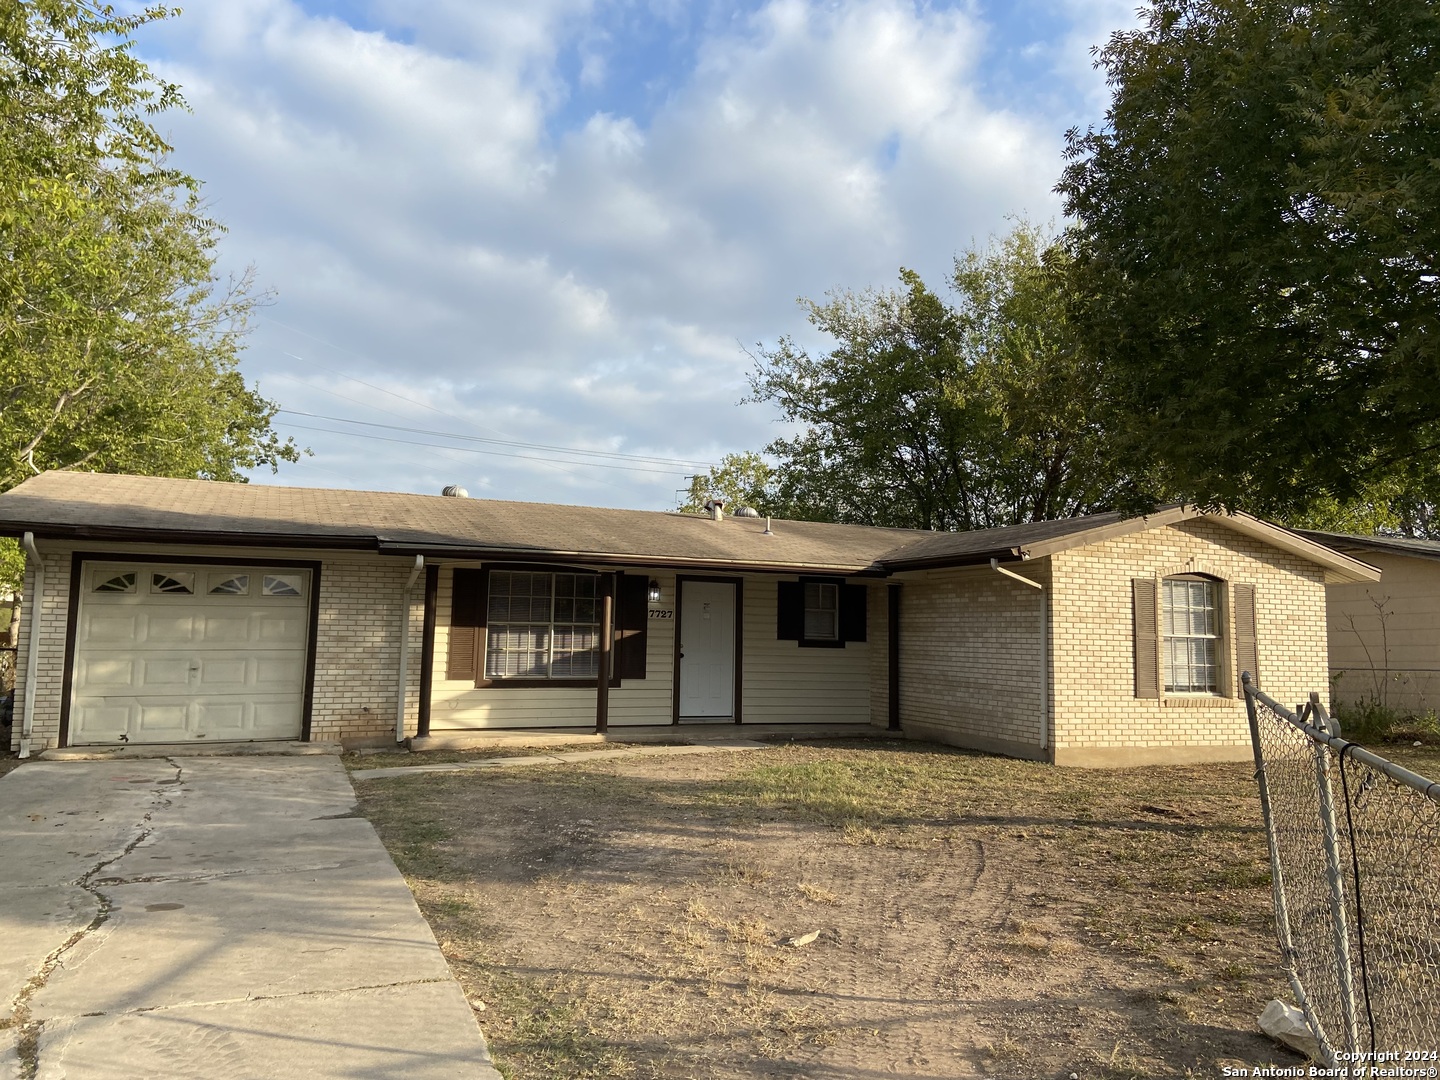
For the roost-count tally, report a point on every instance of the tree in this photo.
(1255, 251)
(117, 350)
(740, 479)
(930, 415)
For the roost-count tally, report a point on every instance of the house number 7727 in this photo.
(656, 613)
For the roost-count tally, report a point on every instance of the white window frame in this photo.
(1204, 648)
(820, 609)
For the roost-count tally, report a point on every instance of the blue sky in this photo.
(563, 223)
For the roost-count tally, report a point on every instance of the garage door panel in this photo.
(280, 629)
(164, 674)
(109, 627)
(216, 673)
(224, 662)
(101, 721)
(162, 716)
(226, 630)
(274, 673)
(165, 628)
(112, 673)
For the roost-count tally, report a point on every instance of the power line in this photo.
(648, 459)
(477, 450)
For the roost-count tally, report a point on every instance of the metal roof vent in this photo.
(747, 511)
(715, 508)
(455, 491)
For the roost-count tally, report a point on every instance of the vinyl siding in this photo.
(1384, 635)
(781, 682)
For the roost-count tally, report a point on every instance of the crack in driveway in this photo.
(27, 1042)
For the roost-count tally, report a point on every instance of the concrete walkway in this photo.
(214, 918)
(559, 759)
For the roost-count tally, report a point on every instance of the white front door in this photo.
(174, 653)
(707, 649)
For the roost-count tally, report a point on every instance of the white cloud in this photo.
(410, 189)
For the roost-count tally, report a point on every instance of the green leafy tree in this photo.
(740, 479)
(936, 415)
(118, 348)
(1255, 251)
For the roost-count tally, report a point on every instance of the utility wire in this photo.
(477, 450)
(648, 459)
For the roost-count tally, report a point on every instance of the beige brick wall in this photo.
(356, 647)
(970, 659)
(1385, 635)
(1097, 718)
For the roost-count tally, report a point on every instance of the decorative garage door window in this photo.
(542, 626)
(229, 585)
(177, 581)
(282, 585)
(121, 583)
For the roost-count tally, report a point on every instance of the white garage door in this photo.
(186, 652)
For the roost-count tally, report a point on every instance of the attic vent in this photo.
(747, 511)
(455, 491)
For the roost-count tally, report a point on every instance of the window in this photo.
(179, 581)
(542, 626)
(282, 585)
(822, 611)
(116, 582)
(1190, 626)
(230, 584)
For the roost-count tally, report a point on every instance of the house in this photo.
(177, 610)
(1385, 637)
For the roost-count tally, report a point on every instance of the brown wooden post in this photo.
(607, 636)
(892, 622)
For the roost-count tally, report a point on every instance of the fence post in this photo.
(1277, 879)
(1339, 918)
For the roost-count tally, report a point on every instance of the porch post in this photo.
(427, 648)
(607, 636)
(892, 626)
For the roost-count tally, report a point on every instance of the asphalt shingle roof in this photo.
(1398, 545)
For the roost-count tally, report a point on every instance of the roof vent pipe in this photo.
(455, 491)
(716, 508)
(767, 531)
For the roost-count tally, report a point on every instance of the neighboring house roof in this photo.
(97, 506)
(1390, 545)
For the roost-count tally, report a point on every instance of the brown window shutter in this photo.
(1147, 639)
(789, 611)
(1247, 653)
(632, 610)
(467, 608)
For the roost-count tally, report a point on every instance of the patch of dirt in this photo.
(973, 916)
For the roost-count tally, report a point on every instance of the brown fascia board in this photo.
(942, 562)
(120, 534)
(1340, 569)
(589, 558)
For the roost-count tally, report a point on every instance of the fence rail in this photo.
(1355, 867)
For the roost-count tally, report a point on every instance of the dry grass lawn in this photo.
(850, 910)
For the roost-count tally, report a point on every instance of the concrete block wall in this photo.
(1097, 718)
(971, 659)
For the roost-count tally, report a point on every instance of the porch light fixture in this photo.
(654, 593)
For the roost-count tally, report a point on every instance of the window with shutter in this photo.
(820, 613)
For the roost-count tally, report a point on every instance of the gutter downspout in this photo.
(35, 604)
(402, 672)
(1044, 647)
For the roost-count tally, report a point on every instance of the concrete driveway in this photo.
(214, 917)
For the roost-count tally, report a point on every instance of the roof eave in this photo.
(605, 558)
(121, 534)
(1340, 569)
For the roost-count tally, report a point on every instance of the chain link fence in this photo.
(1355, 867)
